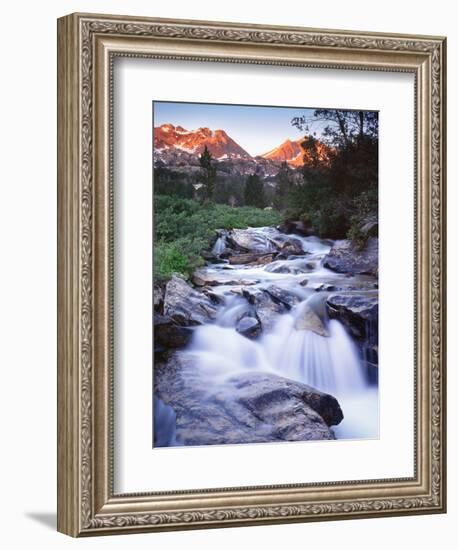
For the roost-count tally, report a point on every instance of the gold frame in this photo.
(87, 44)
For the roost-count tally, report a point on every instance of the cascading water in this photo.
(329, 363)
(219, 246)
(318, 351)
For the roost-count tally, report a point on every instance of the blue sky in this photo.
(256, 129)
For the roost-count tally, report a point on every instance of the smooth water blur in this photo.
(219, 246)
(328, 363)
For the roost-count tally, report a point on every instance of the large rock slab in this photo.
(267, 308)
(185, 306)
(251, 240)
(345, 257)
(292, 267)
(285, 296)
(204, 277)
(359, 314)
(288, 245)
(168, 335)
(262, 389)
(250, 258)
(308, 319)
(249, 407)
(355, 311)
(255, 242)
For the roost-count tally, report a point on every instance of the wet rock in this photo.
(295, 226)
(168, 334)
(250, 258)
(308, 319)
(249, 327)
(237, 290)
(287, 256)
(267, 308)
(217, 299)
(287, 245)
(359, 314)
(158, 297)
(185, 306)
(249, 407)
(355, 311)
(251, 240)
(323, 287)
(292, 248)
(345, 257)
(209, 257)
(361, 286)
(293, 268)
(202, 278)
(284, 296)
(259, 390)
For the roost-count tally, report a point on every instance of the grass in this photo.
(185, 228)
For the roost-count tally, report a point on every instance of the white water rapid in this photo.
(321, 354)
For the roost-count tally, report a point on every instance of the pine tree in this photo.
(283, 181)
(208, 174)
(254, 191)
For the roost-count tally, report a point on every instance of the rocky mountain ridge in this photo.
(178, 147)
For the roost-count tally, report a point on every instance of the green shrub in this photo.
(337, 194)
(183, 229)
(168, 259)
(364, 207)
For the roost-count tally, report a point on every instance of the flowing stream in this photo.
(325, 357)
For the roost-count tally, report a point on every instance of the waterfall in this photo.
(315, 350)
(328, 363)
(219, 246)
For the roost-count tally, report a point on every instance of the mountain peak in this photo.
(293, 153)
(167, 127)
(219, 144)
(287, 151)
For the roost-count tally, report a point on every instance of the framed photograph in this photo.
(251, 285)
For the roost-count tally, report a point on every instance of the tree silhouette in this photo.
(342, 128)
(340, 195)
(283, 181)
(208, 173)
(254, 191)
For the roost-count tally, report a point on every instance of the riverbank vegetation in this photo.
(334, 195)
(185, 227)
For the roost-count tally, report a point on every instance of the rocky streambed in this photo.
(275, 339)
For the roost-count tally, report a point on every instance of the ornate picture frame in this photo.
(87, 46)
